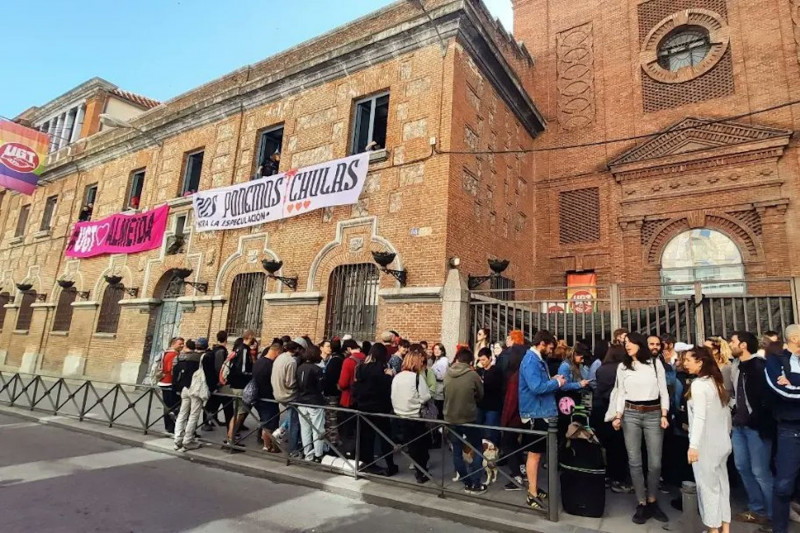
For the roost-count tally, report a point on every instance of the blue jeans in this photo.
(469, 473)
(787, 462)
(489, 418)
(752, 454)
(295, 443)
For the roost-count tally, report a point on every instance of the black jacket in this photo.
(241, 368)
(493, 394)
(333, 369)
(758, 397)
(309, 384)
(605, 378)
(372, 390)
(209, 371)
(262, 375)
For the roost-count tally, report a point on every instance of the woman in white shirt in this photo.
(709, 438)
(409, 394)
(642, 404)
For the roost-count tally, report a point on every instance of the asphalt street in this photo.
(55, 480)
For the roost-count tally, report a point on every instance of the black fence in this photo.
(142, 408)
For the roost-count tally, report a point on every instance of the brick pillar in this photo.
(774, 238)
(633, 260)
(455, 311)
(95, 105)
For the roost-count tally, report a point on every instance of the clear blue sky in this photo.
(158, 48)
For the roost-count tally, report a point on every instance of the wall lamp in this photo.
(384, 259)
(116, 281)
(272, 266)
(497, 266)
(183, 273)
(67, 285)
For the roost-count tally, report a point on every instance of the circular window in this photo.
(685, 47)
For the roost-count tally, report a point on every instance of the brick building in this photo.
(668, 73)
(652, 160)
(451, 77)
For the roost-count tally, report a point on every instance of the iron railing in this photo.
(766, 304)
(142, 408)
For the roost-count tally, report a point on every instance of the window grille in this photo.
(579, 216)
(246, 304)
(353, 301)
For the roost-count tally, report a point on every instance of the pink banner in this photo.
(119, 234)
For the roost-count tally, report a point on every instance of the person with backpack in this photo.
(193, 393)
(162, 374)
(239, 368)
(284, 387)
(212, 367)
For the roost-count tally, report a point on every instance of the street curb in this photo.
(385, 495)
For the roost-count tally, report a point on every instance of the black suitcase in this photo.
(583, 472)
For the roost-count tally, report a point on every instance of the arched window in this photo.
(25, 311)
(246, 304)
(353, 301)
(110, 309)
(685, 46)
(63, 317)
(4, 299)
(702, 255)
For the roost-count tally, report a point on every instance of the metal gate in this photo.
(765, 305)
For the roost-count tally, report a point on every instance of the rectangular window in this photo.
(135, 187)
(191, 173)
(370, 119)
(353, 301)
(176, 242)
(269, 152)
(246, 304)
(22, 221)
(49, 211)
(89, 198)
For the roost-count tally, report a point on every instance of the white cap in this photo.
(683, 347)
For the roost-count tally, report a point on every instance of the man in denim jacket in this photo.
(537, 403)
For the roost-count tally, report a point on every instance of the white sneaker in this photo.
(277, 434)
(411, 466)
(795, 506)
(794, 516)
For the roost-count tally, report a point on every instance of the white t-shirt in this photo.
(642, 383)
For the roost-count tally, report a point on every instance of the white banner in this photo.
(284, 195)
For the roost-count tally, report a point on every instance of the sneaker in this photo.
(535, 503)
(641, 515)
(391, 470)
(178, 446)
(457, 477)
(421, 478)
(542, 495)
(207, 427)
(514, 486)
(663, 488)
(765, 529)
(656, 512)
(277, 434)
(412, 467)
(749, 517)
(475, 489)
(192, 446)
(796, 506)
(620, 488)
(794, 516)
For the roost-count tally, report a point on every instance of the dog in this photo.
(489, 453)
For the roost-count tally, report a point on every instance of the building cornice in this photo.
(79, 93)
(455, 20)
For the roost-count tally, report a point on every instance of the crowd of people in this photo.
(664, 412)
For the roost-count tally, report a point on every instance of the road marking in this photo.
(20, 425)
(40, 470)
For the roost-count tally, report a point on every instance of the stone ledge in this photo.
(59, 333)
(16, 241)
(20, 332)
(11, 306)
(406, 295)
(43, 234)
(196, 301)
(100, 335)
(85, 304)
(378, 156)
(139, 303)
(41, 305)
(180, 201)
(293, 298)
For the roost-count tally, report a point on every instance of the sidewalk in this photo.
(490, 511)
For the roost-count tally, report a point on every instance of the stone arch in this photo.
(743, 237)
(163, 283)
(247, 258)
(354, 242)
